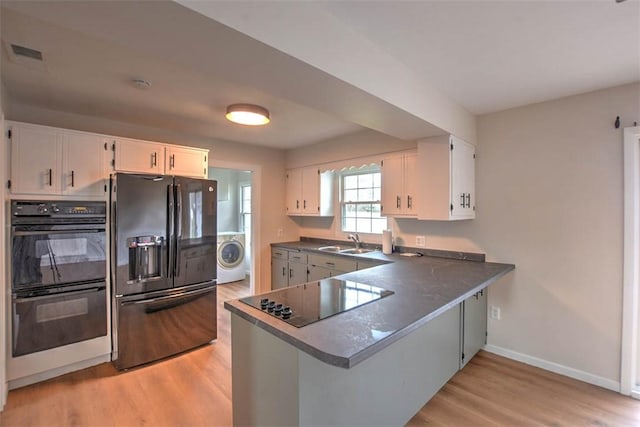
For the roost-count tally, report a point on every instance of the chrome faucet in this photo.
(356, 239)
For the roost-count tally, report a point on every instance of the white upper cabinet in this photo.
(399, 184)
(51, 161)
(186, 161)
(136, 156)
(85, 164)
(447, 179)
(309, 192)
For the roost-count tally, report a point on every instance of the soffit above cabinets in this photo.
(408, 69)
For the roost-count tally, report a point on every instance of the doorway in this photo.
(234, 224)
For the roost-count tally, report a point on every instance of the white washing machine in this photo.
(230, 257)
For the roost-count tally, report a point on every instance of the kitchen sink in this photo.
(357, 251)
(331, 248)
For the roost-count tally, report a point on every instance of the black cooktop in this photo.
(304, 304)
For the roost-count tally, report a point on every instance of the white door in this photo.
(294, 191)
(138, 156)
(186, 162)
(462, 179)
(35, 160)
(410, 184)
(84, 165)
(311, 191)
(392, 171)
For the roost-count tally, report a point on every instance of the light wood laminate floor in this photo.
(194, 389)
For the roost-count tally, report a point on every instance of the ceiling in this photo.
(483, 56)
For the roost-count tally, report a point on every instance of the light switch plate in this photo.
(421, 241)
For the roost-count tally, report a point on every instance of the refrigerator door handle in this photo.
(170, 231)
(178, 228)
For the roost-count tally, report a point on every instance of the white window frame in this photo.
(342, 202)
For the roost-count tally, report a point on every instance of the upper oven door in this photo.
(44, 255)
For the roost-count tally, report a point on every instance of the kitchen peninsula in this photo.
(376, 364)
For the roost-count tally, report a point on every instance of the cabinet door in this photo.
(35, 160)
(138, 156)
(462, 179)
(474, 326)
(294, 191)
(183, 161)
(318, 273)
(311, 191)
(392, 171)
(410, 184)
(84, 165)
(297, 273)
(279, 273)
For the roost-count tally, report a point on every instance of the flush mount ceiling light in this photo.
(248, 114)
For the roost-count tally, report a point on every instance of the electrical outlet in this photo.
(280, 232)
(421, 241)
(494, 312)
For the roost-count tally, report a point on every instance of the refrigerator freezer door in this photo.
(163, 325)
(140, 226)
(195, 229)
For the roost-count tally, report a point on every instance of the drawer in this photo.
(333, 262)
(300, 257)
(279, 253)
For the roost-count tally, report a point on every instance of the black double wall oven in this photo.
(58, 269)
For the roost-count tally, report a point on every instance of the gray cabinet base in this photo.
(274, 383)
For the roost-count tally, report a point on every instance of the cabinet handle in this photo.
(330, 263)
(172, 161)
(304, 204)
(284, 273)
(398, 201)
(462, 200)
(468, 200)
(73, 181)
(297, 204)
(50, 178)
(154, 159)
(410, 202)
(290, 273)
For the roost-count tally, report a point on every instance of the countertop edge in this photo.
(356, 358)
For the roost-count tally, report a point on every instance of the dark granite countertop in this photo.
(424, 287)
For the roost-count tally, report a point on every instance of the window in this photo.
(361, 203)
(245, 209)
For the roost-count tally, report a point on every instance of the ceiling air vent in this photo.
(25, 51)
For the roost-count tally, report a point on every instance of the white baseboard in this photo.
(555, 367)
(43, 376)
(635, 394)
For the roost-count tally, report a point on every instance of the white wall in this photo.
(549, 183)
(270, 208)
(550, 200)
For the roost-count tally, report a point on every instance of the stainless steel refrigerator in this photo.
(163, 266)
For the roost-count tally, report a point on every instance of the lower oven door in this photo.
(58, 318)
(154, 327)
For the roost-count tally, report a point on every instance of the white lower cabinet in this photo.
(297, 273)
(474, 326)
(52, 161)
(279, 273)
(288, 268)
(291, 267)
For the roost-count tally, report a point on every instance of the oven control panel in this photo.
(61, 208)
